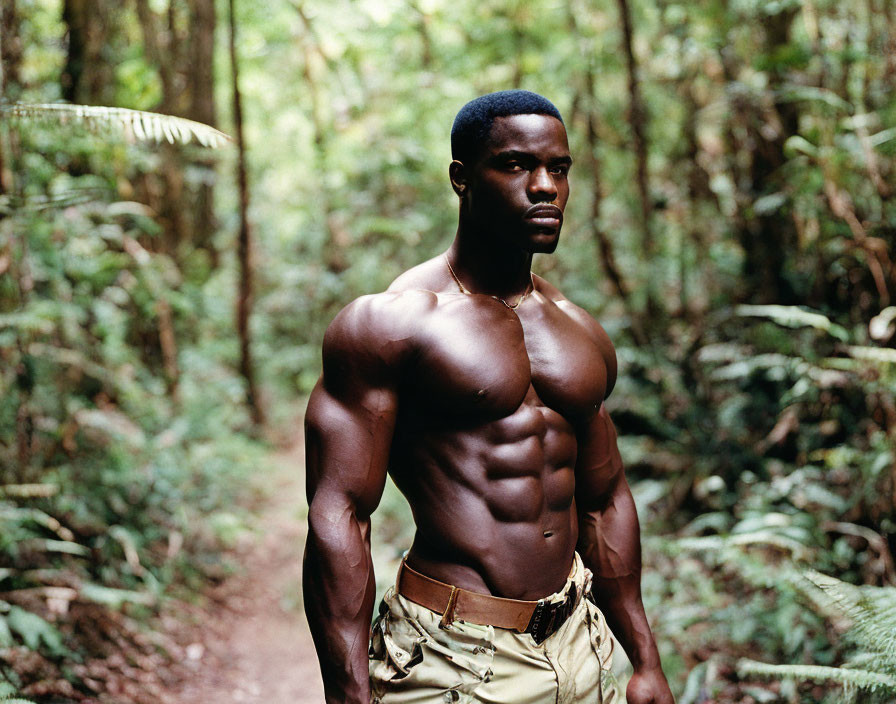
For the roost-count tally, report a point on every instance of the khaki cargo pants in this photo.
(412, 660)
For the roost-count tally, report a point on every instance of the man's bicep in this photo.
(347, 444)
(599, 469)
(351, 412)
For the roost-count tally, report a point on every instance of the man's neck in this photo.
(485, 266)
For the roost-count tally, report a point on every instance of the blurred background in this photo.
(164, 292)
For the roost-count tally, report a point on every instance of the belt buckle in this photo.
(537, 627)
(547, 618)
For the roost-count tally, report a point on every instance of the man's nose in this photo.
(542, 186)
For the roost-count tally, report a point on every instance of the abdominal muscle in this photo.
(493, 503)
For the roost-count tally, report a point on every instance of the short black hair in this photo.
(474, 121)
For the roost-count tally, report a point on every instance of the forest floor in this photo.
(248, 642)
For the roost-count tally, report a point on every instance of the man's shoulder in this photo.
(378, 320)
(370, 339)
(386, 325)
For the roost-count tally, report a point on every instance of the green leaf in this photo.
(799, 145)
(34, 630)
(884, 355)
(64, 546)
(135, 124)
(793, 317)
(115, 597)
(863, 679)
(814, 94)
(6, 638)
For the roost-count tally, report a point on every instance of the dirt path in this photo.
(251, 640)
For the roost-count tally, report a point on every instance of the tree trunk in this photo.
(202, 109)
(10, 78)
(10, 50)
(25, 367)
(772, 232)
(602, 239)
(244, 295)
(337, 238)
(181, 47)
(156, 45)
(88, 77)
(766, 237)
(584, 103)
(637, 120)
(889, 13)
(604, 244)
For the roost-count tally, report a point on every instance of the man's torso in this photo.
(490, 403)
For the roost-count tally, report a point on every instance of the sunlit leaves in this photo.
(132, 124)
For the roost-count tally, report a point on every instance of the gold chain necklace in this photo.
(463, 289)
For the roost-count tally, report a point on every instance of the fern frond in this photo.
(863, 679)
(28, 491)
(793, 317)
(134, 124)
(8, 693)
(743, 368)
(746, 535)
(872, 611)
(885, 355)
(37, 203)
(45, 520)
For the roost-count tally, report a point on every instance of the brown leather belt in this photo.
(538, 618)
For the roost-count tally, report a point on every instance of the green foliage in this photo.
(122, 434)
(872, 667)
(8, 694)
(755, 412)
(792, 475)
(31, 628)
(133, 124)
(872, 611)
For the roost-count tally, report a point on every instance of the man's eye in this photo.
(513, 166)
(560, 170)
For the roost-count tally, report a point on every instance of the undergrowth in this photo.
(123, 438)
(779, 471)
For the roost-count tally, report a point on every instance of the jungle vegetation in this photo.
(162, 302)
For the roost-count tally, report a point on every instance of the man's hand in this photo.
(649, 687)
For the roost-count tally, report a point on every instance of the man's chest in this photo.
(479, 359)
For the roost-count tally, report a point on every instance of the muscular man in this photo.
(480, 389)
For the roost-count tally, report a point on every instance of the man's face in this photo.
(518, 185)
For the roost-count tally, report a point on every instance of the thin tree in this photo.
(637, 120)
(10, 66)
(201, 54)
(337, 238)
(244, 238)
(585, 103)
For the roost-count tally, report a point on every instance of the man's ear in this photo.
(457, 172)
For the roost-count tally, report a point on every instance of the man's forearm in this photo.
(339, 589)
(610, 545)
(621, 604)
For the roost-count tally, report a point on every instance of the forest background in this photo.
(731, 224)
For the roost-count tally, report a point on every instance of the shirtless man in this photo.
(480, 388)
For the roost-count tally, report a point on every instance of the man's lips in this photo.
(545, 214)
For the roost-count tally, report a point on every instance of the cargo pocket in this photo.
(603, 644)
(437, 665)
(394, 648)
